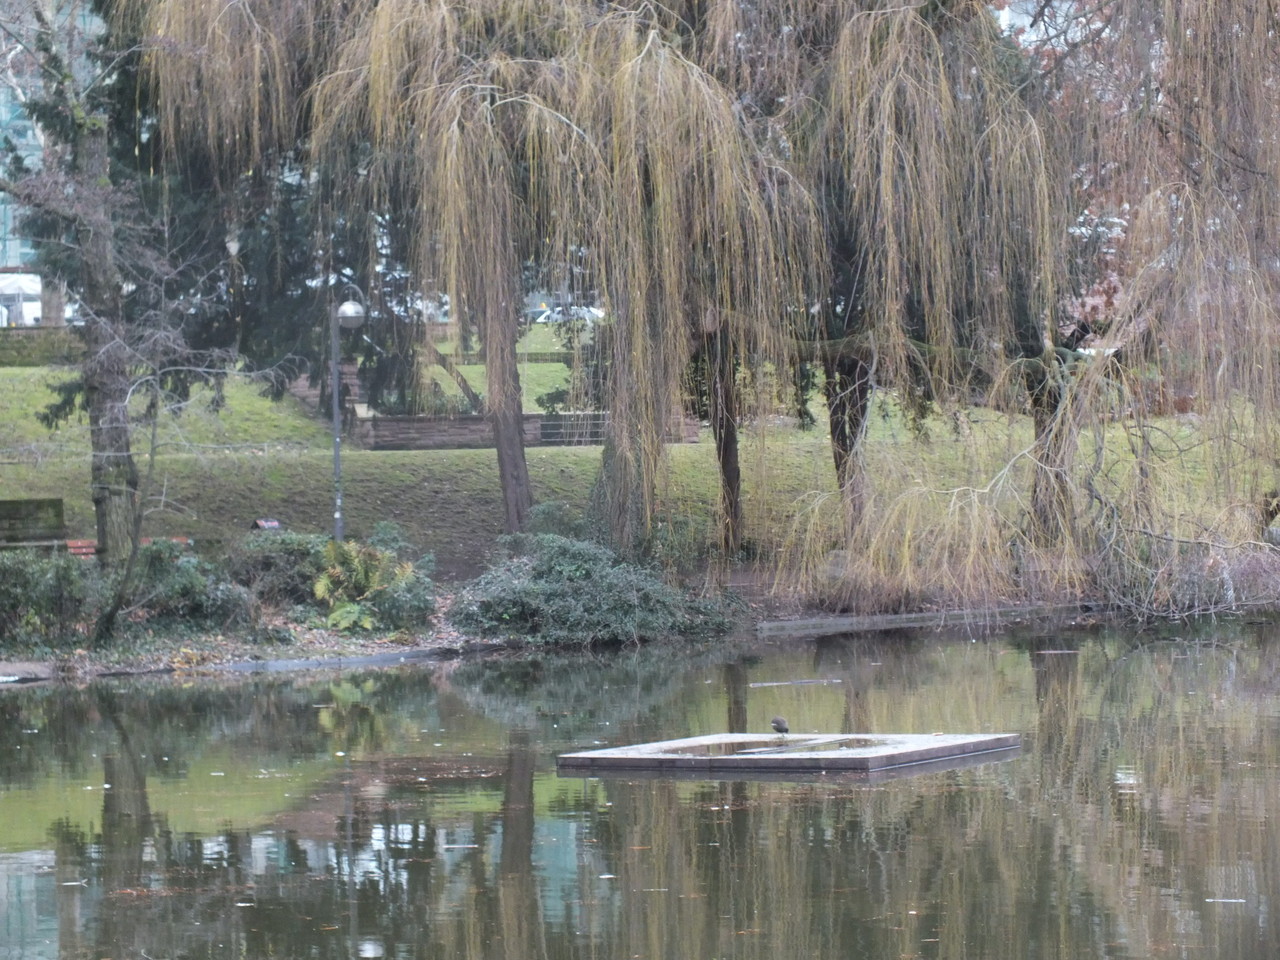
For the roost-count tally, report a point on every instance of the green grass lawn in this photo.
(537, 338)
(540, 338)
(535, 380)
(249, 421)
(962, 487)
(218, 471)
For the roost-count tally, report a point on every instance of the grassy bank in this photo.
(216, 472)
(1161, 511)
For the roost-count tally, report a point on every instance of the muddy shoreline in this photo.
(324, 651)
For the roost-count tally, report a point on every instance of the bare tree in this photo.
(139, 287)
(47, 50)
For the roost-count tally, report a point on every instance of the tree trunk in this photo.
(505, 415)
(126, 828)
(735, 695)
(114, 476)
(518, 818)
(446, 363)
(1052, 511)
(723, 401)
(848, 393)
(519, 919)
(53, 301)
(1052, 514)
(621, 494)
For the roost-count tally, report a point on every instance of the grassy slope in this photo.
(257, 458)
(535, 378)
(217, 473)
(250, 421)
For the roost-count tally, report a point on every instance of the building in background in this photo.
(23, 302)
(19, 291)
(17, 128)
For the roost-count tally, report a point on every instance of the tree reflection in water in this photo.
(1135, 823)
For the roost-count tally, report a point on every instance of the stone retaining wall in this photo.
(378, 432)
(438, 433)
(444, 433)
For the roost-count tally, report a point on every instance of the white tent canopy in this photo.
(20, 284)
(19, 299)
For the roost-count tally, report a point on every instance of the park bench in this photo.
(34, 523)
(38, 524)
(89, 548)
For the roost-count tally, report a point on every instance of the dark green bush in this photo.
(40, 347)
(553, 400)
(44, 596)
(557, 517)
(173, 583)
(560, 591)
(51, 597)
(272, 634)
(407, 604)
(278, 567)
(389, 537)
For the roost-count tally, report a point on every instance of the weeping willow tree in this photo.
(920, 132)
(712, 171)
(980, 201)
(1170, 137)
(574, 138)
(940, 214)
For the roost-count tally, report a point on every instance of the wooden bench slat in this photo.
(80, 548)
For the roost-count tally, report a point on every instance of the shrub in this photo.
(47, 597)
(174, 583)
(552, 401)
(272, 634)
(556, 516)
(44, 596)
(278, 567)
(407, 603)
(388, 536)
(679, 543)
(561, 591)
(367, 587)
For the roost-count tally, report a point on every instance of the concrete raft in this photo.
(758, 753)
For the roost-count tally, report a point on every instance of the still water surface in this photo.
(417, 812)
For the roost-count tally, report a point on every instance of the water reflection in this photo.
(417, 813)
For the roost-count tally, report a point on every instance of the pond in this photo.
(417, 811)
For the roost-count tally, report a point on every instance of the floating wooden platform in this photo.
(752, 754)
(937, 619)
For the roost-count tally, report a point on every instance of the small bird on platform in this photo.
(779, 725)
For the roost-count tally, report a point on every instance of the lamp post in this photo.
(233, 251)
(348, 315)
